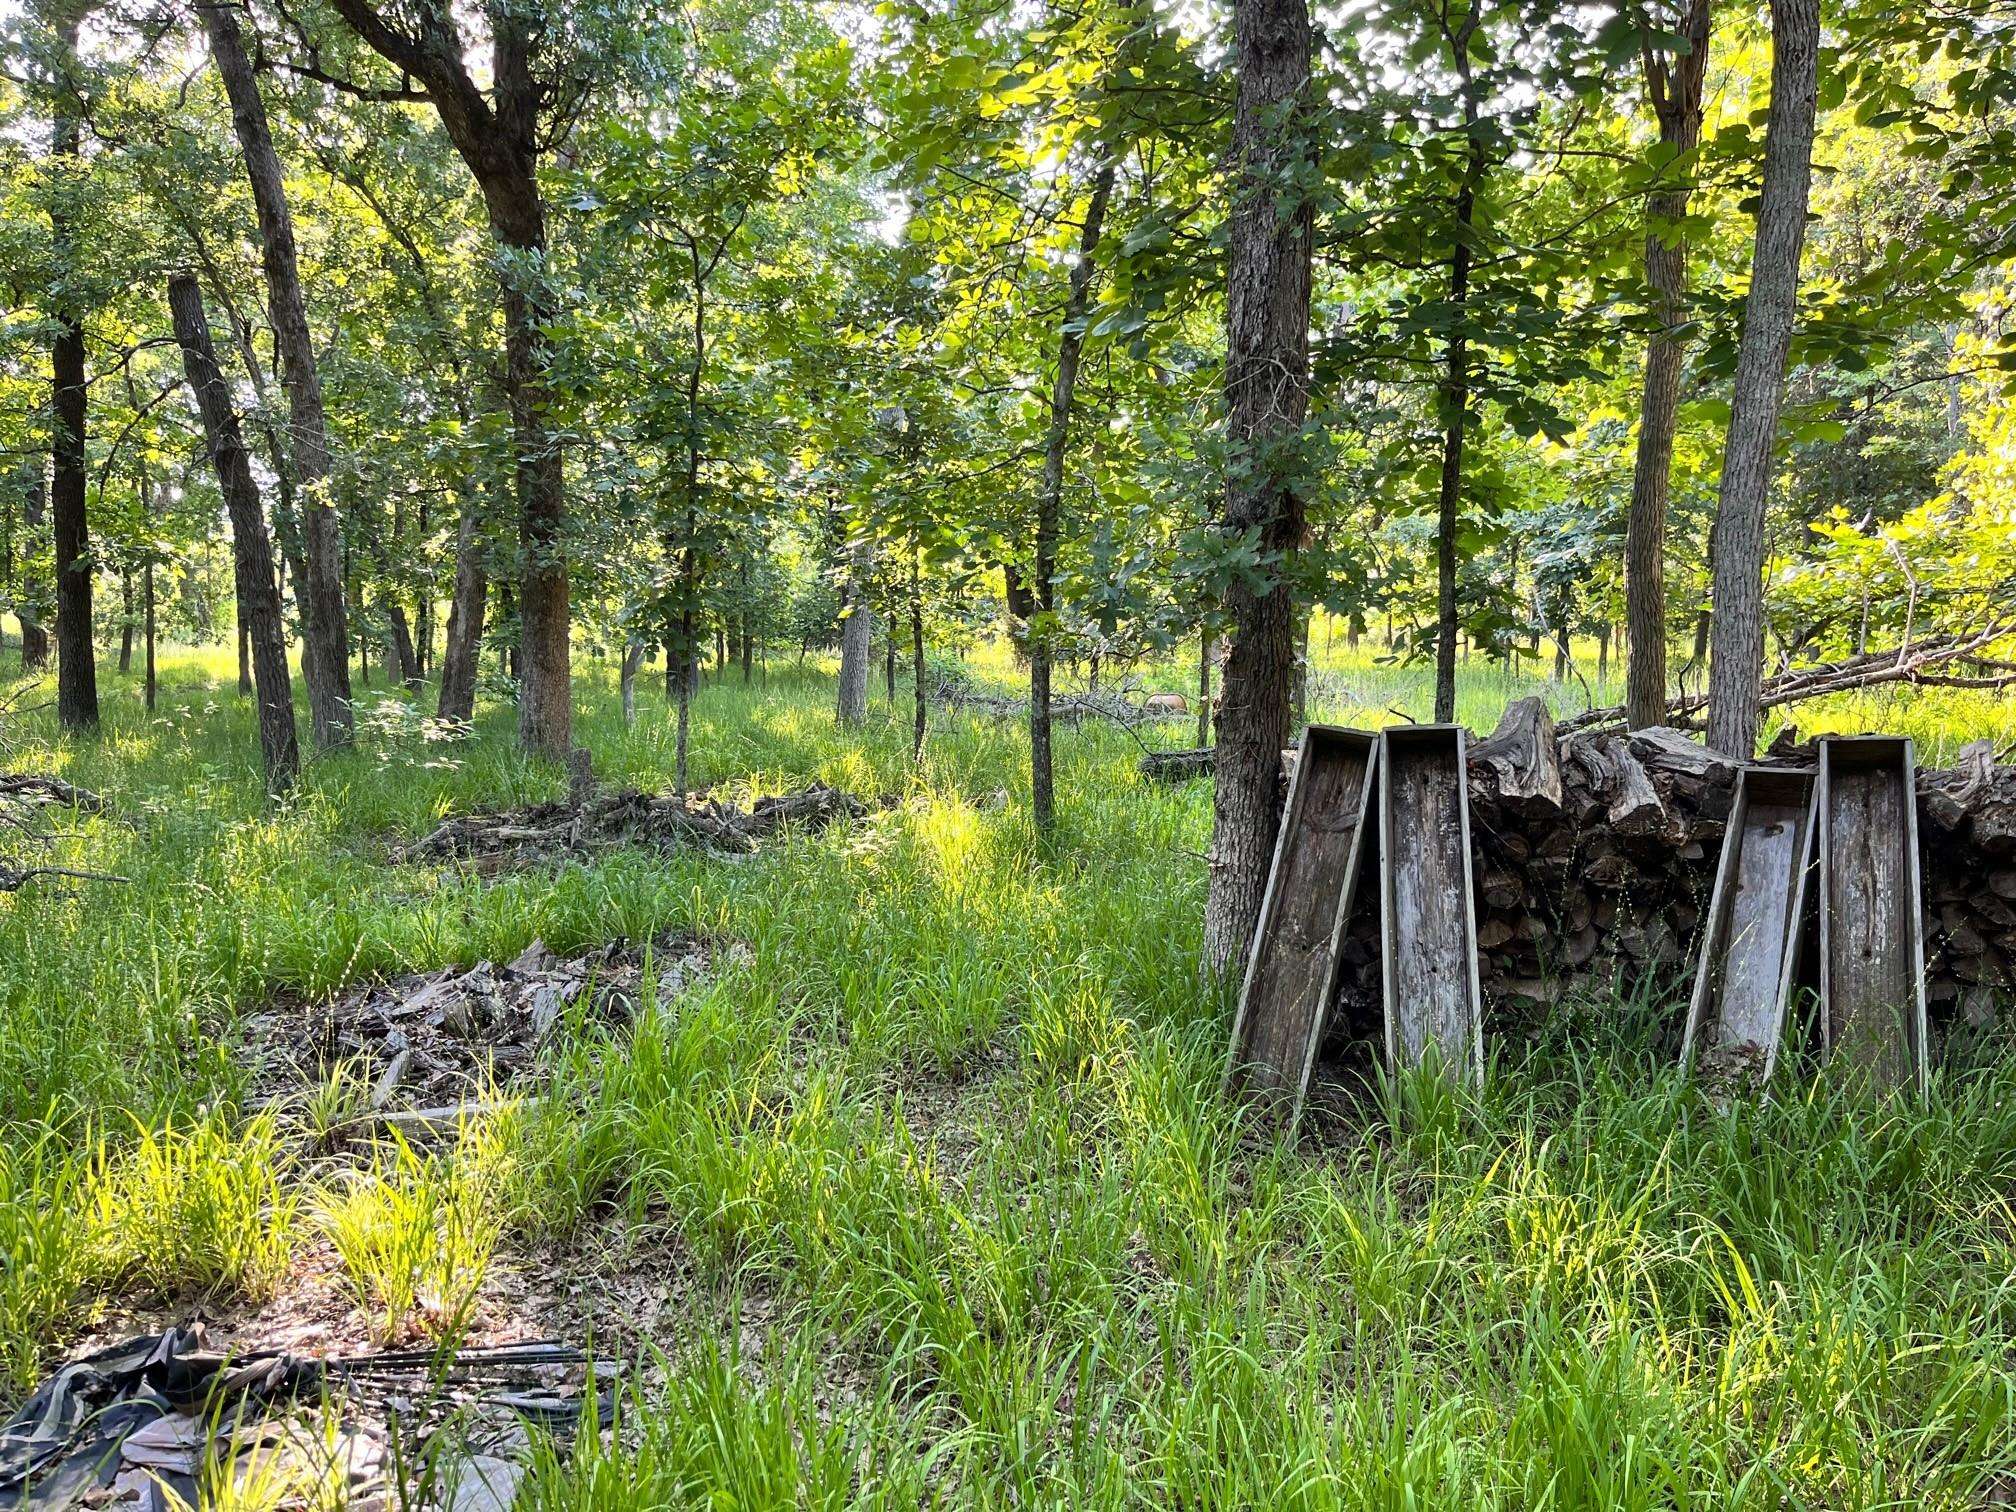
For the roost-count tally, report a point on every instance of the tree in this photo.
(1673, 81)
(76, 659)
(325, 664)
(501, 134)
(252, 552)
(1049, 503)
(1266, 398)
(1736, 665)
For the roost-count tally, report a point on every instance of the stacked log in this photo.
(1594, 852)
(1595, 856)
(1967, 843)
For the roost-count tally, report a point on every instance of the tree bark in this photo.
(76, 658)
(856, 631)
(1050, 505)
(465, 616)
(1267, 399)
(252, 552)
(1736, 655)
(1675, 88)
(318, 578)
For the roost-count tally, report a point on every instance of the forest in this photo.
(1081, 753)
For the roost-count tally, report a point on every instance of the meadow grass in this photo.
(955, 1114)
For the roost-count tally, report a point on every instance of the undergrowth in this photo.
(957, 1112)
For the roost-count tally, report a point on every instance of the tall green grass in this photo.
(954, 1123)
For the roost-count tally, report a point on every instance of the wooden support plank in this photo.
(1750, 942)
(1291, 969)
(1872, 958)
(1428, 919)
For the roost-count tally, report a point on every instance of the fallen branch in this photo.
(32, 786)
(13, 881)
(1872, 669)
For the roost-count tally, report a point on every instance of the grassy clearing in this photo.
(957, 1114)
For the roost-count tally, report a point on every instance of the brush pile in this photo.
(430, 1045)
(557, 831)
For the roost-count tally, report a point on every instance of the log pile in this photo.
(1595, 853)
(1967, 841)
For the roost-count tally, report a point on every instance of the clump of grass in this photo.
(208, 1206)
(47, 1247)
(415, 1233)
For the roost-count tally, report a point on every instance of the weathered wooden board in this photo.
(1427, 911)
(1291, 969)
(1872, 959)
(1750, 942)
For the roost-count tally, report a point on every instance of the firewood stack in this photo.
(1967, 842)
(1592, 850)
(1597, 852)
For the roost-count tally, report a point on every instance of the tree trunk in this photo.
(1204, 689)
(1050, 506)
(1019, 604)
(689, 675)
(34, 634)
(1455, 395)
(252, 552)
(400, 634)
(147, 601)
(1675, 90)
(748, 654)
(1736, 655)
(126, 621)
(855, 633)
(465, 616)
(245, 688)
(545, 705)
(633, 658)
(1298, 693)
(76, 658)
(318, 579)
(916, 652)
(1266, 398)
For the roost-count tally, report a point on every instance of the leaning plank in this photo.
(1872, 960)
(1428, 922)
(1750, 945)
(1291, 969)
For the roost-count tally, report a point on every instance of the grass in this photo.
(955, 1121)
